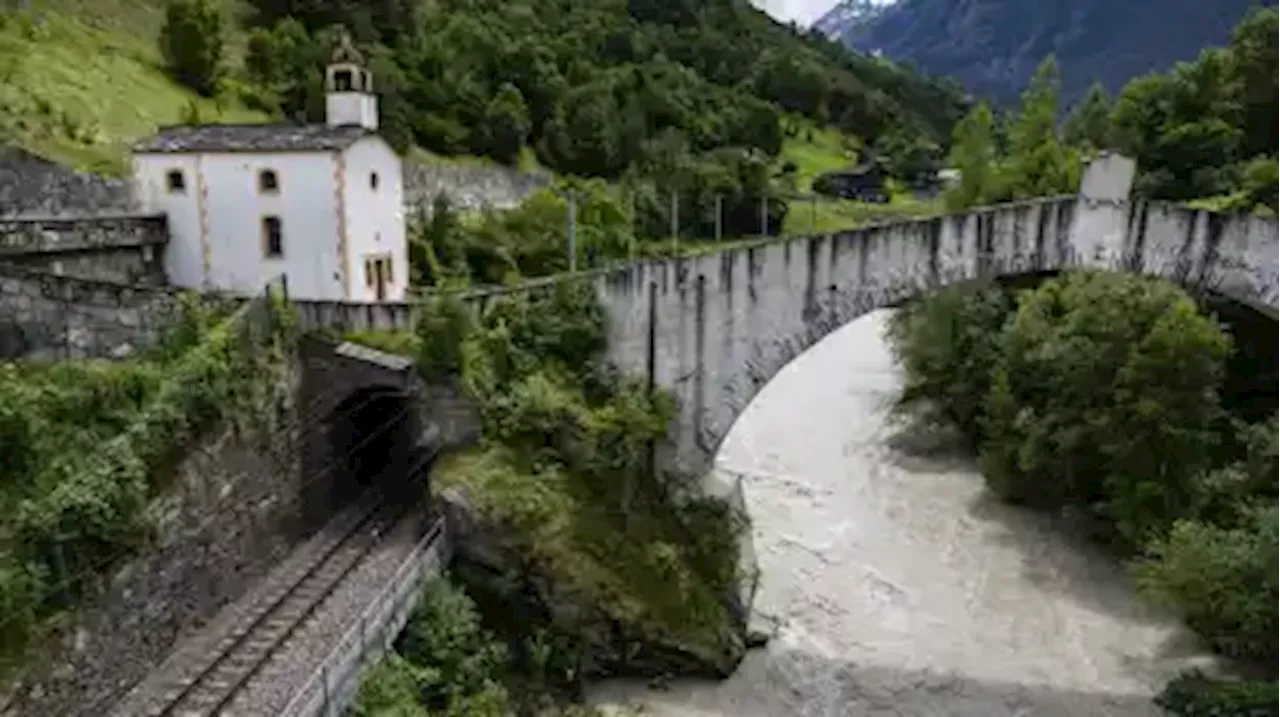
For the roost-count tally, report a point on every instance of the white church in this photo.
(321, 204)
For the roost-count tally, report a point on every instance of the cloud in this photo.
(803, 12)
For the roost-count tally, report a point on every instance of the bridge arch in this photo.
(714, 329)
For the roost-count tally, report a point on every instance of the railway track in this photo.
(237, 657)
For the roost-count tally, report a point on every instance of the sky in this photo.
(803, 12)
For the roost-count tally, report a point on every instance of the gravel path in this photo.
(292, 664)
(897, 585)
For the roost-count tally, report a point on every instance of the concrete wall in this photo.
(230, 514)
(43, 316)
(215, 223)
(468, 187)
(375, 219)
(36, 186)
(126, 249)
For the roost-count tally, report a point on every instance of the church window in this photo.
(176, 182)
(342, 81)
(272, 238)
(268, 182)
(373, 180)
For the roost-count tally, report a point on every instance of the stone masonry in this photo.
(123, 249)
(468, 187)
(32, 185)
(44, 316)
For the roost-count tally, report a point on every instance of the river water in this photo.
(896, 585)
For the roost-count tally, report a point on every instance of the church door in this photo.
(381, 277)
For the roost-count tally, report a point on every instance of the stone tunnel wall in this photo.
(127, 249)
(230, 512)
(44, 316)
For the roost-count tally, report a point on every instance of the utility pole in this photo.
(813, 213)
(573, 220)
(764, 215)
(719, 229)
(675, 223)
(631, 217)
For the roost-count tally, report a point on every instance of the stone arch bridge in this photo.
(715, 328)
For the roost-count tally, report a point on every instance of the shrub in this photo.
(193, 42)
(453, 662)
(947, 345)
(1222, 580)
(1192, 694)
(1105, 396)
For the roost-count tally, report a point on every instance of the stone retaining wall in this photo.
(125, 249)
(44, 316)
(468, 187)
(33, 185)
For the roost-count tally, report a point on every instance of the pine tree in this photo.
(1089, 123)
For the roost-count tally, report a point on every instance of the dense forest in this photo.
(595, 89)
(1205, 130)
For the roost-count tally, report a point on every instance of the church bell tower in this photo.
(348, 88)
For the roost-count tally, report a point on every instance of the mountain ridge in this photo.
(992, 47)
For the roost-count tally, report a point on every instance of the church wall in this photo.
(216, 224)
(304, 203)
(183, 258)
(375, 218)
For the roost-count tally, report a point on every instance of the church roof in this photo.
(282, 137)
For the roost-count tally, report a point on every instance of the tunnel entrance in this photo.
(374, 446)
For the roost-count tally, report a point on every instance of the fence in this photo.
(335, 683)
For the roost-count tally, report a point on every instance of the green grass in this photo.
(823, 215)
(80, 79)
(815, 150)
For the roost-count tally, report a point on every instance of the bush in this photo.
(193, 42)
(1192, 694)
(1222, 580)
(89, 444)
(1105, 396)
(447, 663)
(947, 345)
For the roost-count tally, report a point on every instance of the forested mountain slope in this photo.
(993, 46)
(601, 88)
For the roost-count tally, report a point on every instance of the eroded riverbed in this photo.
(897, 585)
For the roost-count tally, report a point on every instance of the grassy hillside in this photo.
(80, 78)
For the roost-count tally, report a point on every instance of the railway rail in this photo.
(274, 617)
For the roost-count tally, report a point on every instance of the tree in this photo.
(907, 154)
(1260, 185)
(1089, 123)
(973, 154)
(1106, 400)
(1039, 165)
(506, 124)
(193, 42)
(1253, 65)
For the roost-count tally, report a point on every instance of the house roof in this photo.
(282, 137)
